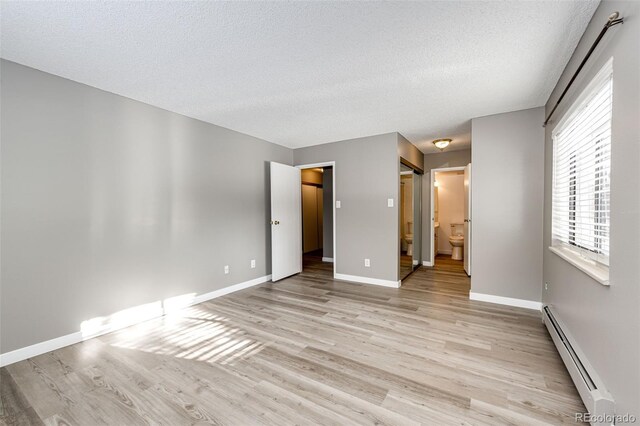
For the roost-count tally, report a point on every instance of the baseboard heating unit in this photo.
(597, 400)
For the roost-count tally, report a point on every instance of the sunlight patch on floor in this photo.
(192, 333)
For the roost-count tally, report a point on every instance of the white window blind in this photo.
(581, 168)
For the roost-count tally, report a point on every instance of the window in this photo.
(581, 169)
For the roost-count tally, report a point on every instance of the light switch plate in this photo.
(337, 204)
(226, 269)
(367, 263)
(389, 202)
(253, 263)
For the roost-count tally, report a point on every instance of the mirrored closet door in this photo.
(410, 223)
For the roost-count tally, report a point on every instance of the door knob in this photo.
(277, 222)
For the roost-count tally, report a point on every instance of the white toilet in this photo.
(408, 238)
(457, 240)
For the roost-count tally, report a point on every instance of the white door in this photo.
(286, 221)
(467, 219)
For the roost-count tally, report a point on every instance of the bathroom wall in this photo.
(109, 203)
(436, 161)
(451, 206)
(605, 321)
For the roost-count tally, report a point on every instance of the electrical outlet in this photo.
(338, 204)
(226, 269)
(546, 286)
(367, 263)
(253, 263)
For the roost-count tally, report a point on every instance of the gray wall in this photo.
(436, 161)
(327, 212)
(366, 175)
(410, 152)
(109, 203)
(605, 321)
(507, 194)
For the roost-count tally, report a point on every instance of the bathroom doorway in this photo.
(410, 219)
(451, 216)
(318, 218)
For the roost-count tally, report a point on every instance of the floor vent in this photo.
(597, 400)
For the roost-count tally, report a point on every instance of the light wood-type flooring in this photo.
(308, 350)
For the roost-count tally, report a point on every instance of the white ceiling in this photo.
(305, 73)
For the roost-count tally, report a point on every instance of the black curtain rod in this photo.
(613, 20)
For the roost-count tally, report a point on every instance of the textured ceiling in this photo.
(304, 73)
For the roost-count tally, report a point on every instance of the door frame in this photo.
(468, 208)
(432, 208)
(333, 194)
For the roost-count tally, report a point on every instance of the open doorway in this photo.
(318, 230)
(451, 217)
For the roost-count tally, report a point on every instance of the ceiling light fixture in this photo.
(442, 143)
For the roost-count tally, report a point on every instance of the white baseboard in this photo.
(79, 336)
(519, 303)
(426, 263)
(367, 280)
(447, 252)
(327, 259)
(40, 348)
(231, 289)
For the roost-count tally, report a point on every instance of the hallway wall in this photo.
(507, 204)
(366, 174)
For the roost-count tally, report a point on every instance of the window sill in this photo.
(598, 273)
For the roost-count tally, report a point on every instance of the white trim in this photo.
(367, 280)
(447, 252)
(39, 348)
(596, 265)
(589, 267)
(468, 233)
(426, 263)
(79, 336)
(327, 259)
(316, 165)
(231, 289)
(432, 208)
(331, 164)
(500, 300)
